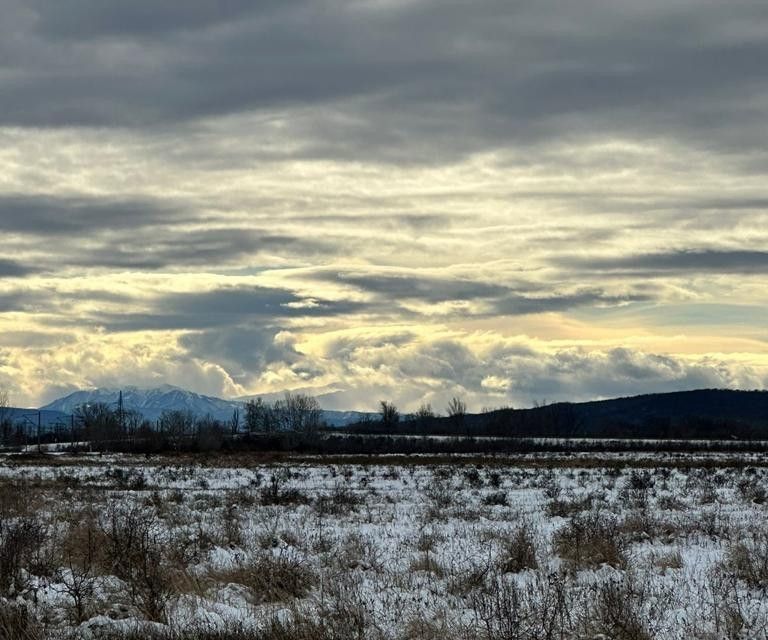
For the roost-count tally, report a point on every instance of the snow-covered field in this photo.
(106, 547)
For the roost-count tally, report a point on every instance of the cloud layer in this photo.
(383, 198)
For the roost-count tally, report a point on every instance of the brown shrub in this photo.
(748, 561)
(271, 578)
(462, 583)
(341, 501)
(80, 554)
(136, 551)
(541, 609)
(497, 498)
(565, 508)
(18, 623)
(20, 541)
(669, 560)
(590, 541)
(519, 552)
(617, 612)
(428, 563)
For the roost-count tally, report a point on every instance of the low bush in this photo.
(497, 498)
(136, 551)
(617, 612)
(589, 541)
(342, 500)
(18, 623)
(427, 563)
(20, 541)
(271, 578)
(748, 561)
(519, 552)
(565, 508)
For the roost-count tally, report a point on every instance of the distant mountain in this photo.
(28, 417)
(700, 413)
(151, 403)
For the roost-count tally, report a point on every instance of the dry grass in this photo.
(341, 501)
(427, 563)
(449, 579)
(519, 552)
(590, 541)
(616, 612)
(270, 578)
(18, 623)
(748, 561)
(669, 560)
(567, 507)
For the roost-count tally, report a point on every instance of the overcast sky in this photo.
(508, 201)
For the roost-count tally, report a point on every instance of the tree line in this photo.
(295, 422)
(105, 426)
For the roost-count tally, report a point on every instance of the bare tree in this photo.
(457, 407)
(390, 416)
(298, 412)
(209, 433)
(99, 421)
(234, 421)
(259, 417)
(132, 419)
(424, 414)
(175, 424)
(457, 410)
(6, 421)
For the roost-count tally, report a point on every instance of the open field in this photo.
(616, 545)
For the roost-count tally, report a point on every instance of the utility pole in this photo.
(39, 421)
(120, 411)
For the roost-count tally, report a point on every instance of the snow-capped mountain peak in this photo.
(151, 403)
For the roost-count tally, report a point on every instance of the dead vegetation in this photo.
(467, 552)
(270, 577)
(590, 541)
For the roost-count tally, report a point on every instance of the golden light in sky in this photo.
(508, 202)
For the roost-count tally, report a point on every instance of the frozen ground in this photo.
(585, 547)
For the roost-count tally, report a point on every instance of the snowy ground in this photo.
(591, 547)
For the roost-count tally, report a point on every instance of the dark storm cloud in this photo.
(461, 76)
(13, 301)
(243, 350)
(424, 288)
(140, 234)
(447, 361)
(141, 18)
(227, 306)
(14, 269)
(522, 305)
(501, 300)
(211, 247)
(742, 262)
(525, 375)
(42, 215)
(578, 375)
(265, 306)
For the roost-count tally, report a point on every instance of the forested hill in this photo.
(705, 413)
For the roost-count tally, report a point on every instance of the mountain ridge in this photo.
(628, 413)
(152, 402)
